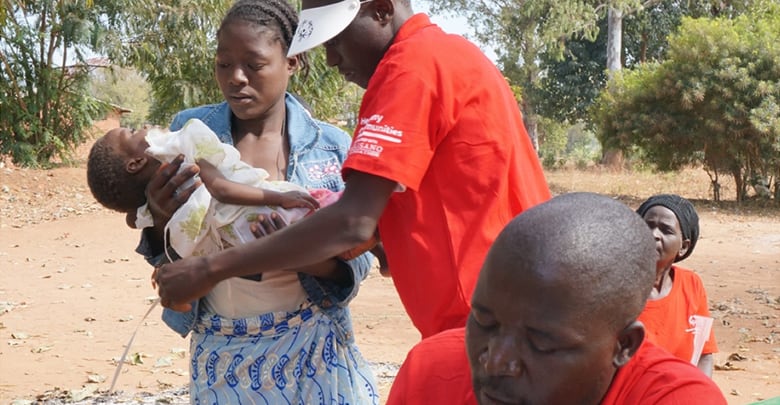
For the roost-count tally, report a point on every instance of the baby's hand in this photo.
(299, 199)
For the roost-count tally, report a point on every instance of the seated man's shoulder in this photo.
(655, 376)
(443, 344)
(436, 370)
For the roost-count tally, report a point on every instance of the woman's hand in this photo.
(163, 198)
(161, 192)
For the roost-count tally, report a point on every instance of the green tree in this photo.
(548, 48)
(44, 105)
(124, 88)
(714, 101)
(520, 32)
(572, 82)
(172, 43)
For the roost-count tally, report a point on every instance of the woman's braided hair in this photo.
(278, 15)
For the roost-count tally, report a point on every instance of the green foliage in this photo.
(562, 143)
(173, 42)
(329, 95)
(552, 142)
(556, 50)
(713, 101)
(123, 88)
(571, 83)
(44, 105)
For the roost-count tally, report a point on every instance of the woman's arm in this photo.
(230, 192)
(706, 364)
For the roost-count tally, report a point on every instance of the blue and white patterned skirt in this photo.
(277, 358)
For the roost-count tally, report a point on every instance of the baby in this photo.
(217, 215)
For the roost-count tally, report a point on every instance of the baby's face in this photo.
(127, 141)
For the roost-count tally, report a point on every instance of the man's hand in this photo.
(266, 225)
(182, 282)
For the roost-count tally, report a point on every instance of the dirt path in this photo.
(72, 292)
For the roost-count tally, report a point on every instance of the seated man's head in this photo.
(554, 310)
(118, 169)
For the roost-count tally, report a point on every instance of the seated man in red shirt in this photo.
(554, 320)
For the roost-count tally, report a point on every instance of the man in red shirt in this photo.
(554, 320)
(440, 163)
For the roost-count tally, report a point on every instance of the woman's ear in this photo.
(629, 340)
(136, 164)
(684, 248)
(293, 65)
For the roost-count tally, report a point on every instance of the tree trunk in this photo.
(613, 158)
(614, 39)
(777, 190)
(714, 182)
(531, 121)
(740, 184)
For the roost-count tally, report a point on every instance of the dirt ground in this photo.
(72, 292)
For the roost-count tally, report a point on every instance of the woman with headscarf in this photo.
(676, 316)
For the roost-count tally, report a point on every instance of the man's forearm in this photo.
(309, 242)
(330, 269)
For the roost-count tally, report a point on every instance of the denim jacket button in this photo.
(326, 303)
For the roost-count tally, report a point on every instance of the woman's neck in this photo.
(271, 126)
(663, 284)
(263, 143)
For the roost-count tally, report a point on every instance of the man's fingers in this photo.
(278, 222)
(314, 203)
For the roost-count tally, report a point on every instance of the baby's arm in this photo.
(229, 192)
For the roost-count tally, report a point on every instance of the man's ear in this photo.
(136, 164)
(384, 10)
(629, 340)
(684, 248)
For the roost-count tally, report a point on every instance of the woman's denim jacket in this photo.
(317, 151)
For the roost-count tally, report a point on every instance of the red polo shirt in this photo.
(437, 371)
(439, 118)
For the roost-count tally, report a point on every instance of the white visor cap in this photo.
(319, 24)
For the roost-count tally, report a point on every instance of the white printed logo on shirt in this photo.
(372, 133)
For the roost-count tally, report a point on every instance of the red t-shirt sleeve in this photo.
(398, 128)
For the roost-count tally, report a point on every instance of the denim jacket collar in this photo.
(299, 121)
